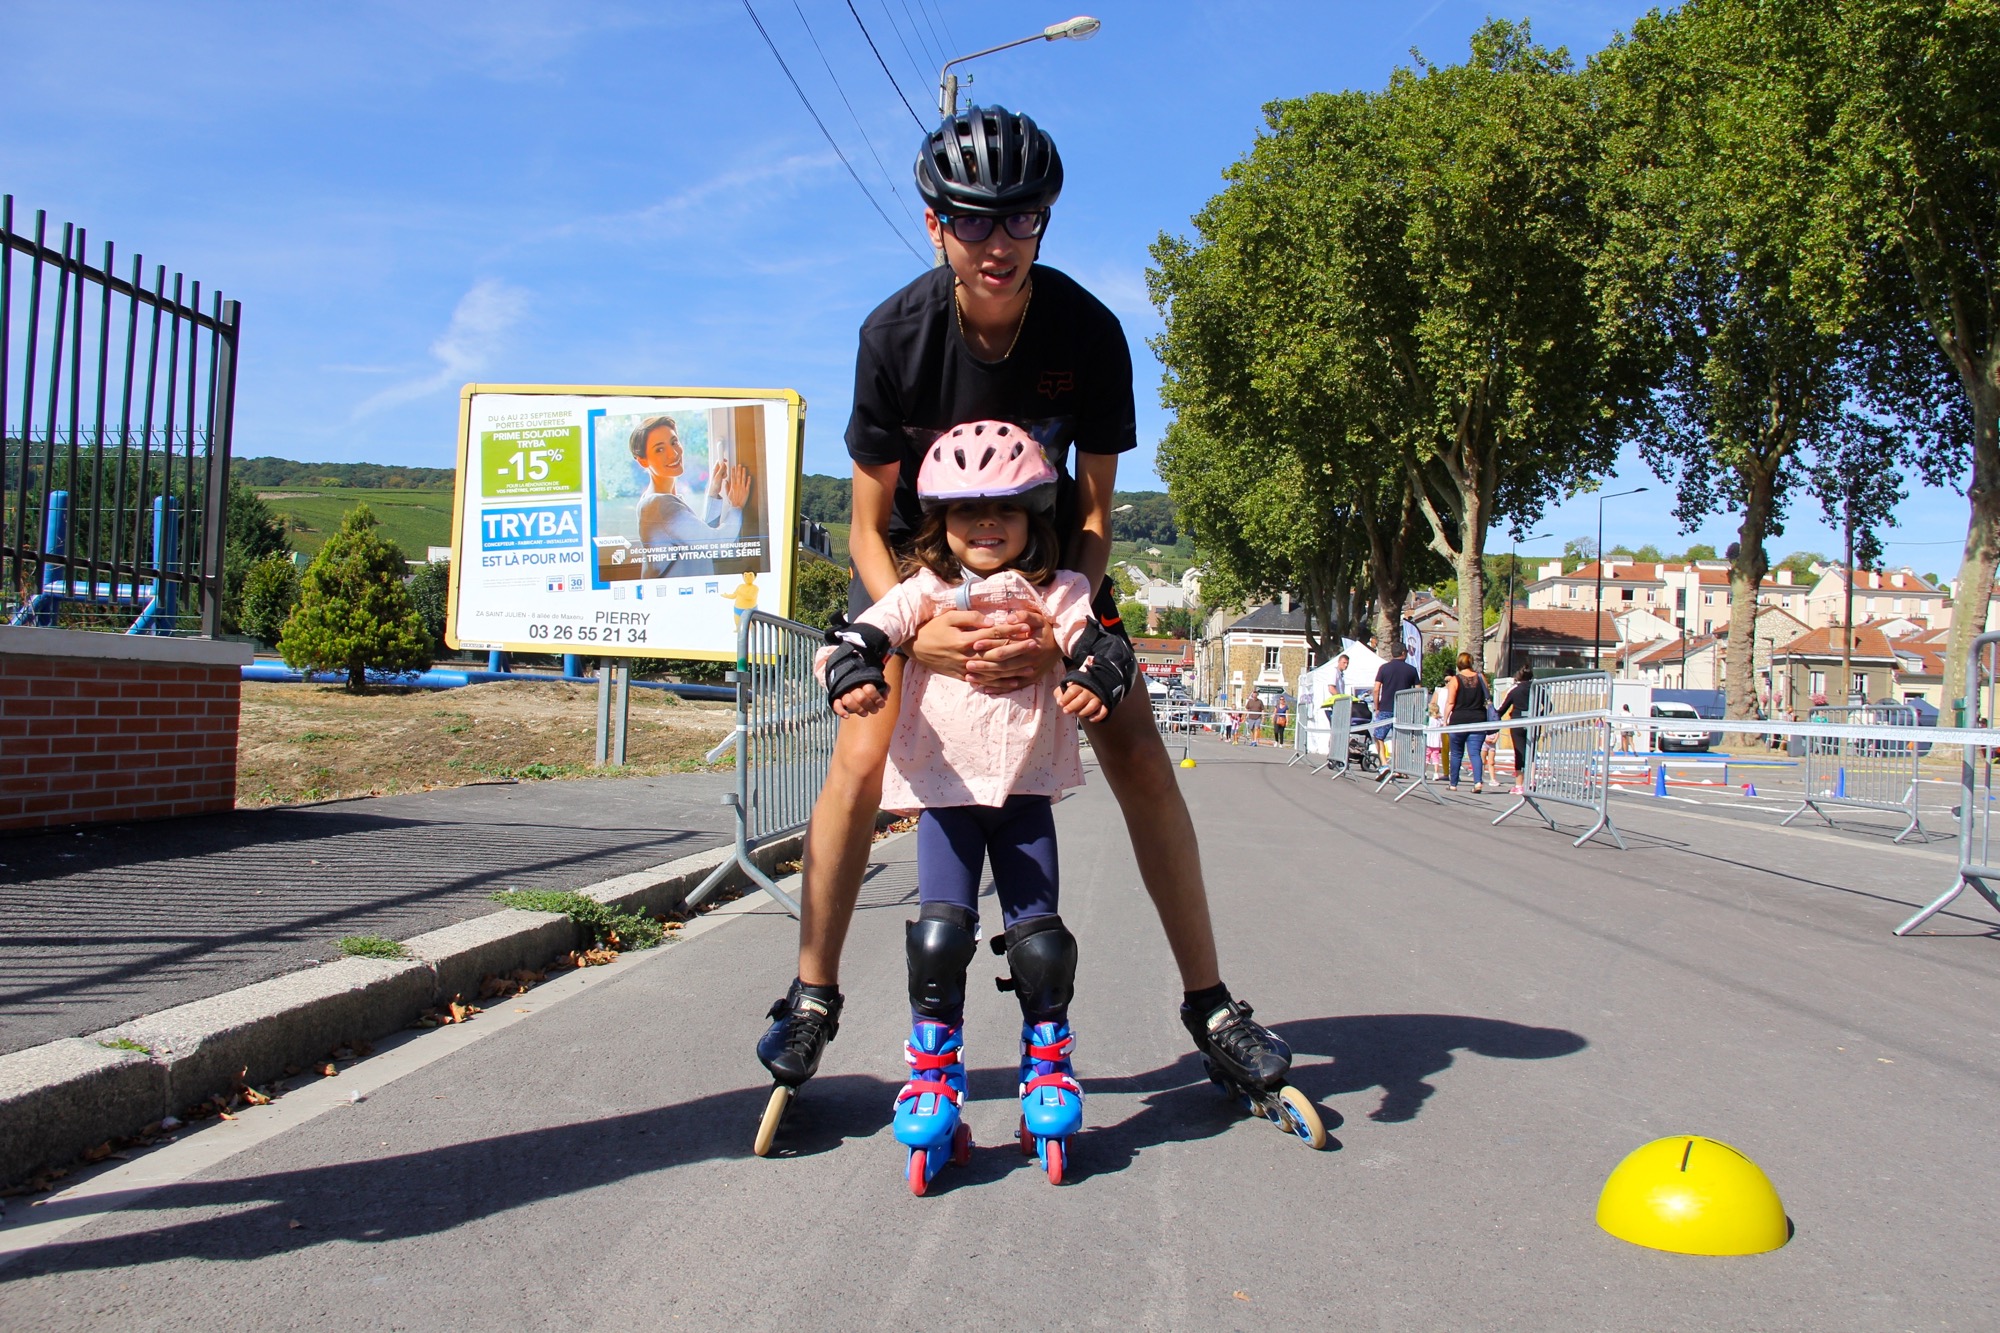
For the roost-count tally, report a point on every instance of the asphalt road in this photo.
(111, 922)
(1489, 1018)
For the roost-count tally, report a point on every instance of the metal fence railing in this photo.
(1406, 746)
(1860, 771)
(1977, 867)
(1570, 762)
(783, 739)
(116, 404)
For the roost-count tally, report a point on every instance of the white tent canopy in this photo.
(1316, 685)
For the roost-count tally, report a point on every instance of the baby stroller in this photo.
(1361, 753)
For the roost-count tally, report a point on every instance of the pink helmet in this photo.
(987, 460)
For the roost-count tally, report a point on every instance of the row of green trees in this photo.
(1756, 237)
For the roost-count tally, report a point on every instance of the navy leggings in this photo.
(953, 844)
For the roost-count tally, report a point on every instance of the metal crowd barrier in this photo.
(1859, 770)
(1406, 746)
(783, 740)
(1311, 726)
(1570, 760)
(1977, 868)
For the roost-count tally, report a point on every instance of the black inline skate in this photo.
(1249, 1062)
(802, 1026)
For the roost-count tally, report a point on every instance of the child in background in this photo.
(984, 770)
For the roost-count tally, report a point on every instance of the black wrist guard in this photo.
(1103, 664)
(859, 651)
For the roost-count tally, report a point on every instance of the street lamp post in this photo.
(1076, 30)
(1513, 566)
(1597, 607)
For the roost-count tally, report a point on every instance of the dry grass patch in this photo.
(318, 742)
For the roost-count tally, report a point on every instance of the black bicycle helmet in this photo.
(986, 159)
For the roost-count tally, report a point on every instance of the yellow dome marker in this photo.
(1188, 762)
(1693, 1195)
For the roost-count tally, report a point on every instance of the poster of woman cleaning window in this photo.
(666, 514)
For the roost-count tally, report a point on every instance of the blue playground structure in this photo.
(157, 600)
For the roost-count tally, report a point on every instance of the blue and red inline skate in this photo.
(930, 1108)
(1051, 1098)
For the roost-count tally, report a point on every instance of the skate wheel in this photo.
(919, 1176)
(774, 1114)
(961, 1146)
(1302, 1117)
(1027, 1139)
(1052, 1158)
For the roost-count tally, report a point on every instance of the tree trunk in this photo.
(1982, 542)
(1746, 576)
(357, 677)
(1388, 559)
(1471, 569)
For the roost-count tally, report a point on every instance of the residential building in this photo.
(1694, 595)
(1877, 596)
(1809, 670)
(1169, 660)
(1436, 621)
(1264, 652)
(1552, 640)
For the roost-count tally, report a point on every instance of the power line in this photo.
(942, 24)
(884, 64)
(917, 28)
(804, 101)
(935, 35)
(923, 79)
(850, 111)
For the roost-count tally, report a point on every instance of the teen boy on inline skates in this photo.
(990, 334)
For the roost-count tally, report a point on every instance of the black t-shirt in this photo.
(1515, 705)
(1068, 381)
(1395, 676)
(1469, 703)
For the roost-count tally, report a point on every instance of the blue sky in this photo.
(409, 196)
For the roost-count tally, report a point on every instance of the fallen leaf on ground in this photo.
(330, 1069)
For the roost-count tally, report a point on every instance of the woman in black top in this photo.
(1515, 706)
(1467, 697)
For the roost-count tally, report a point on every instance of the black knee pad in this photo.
(940, 944)
(1042, 956)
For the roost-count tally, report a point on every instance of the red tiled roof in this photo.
(1866, 580)
(1558, 626)
(1828, 641)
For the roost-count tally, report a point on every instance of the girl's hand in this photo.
(1081, 703)
(861, 701)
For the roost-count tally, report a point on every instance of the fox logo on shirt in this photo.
(1056, 382)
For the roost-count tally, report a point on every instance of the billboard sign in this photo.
(622, 522)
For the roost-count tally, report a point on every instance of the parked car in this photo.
(1689, 736)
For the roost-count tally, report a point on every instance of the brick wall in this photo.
(96, 727)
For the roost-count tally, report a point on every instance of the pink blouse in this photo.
(954, 745)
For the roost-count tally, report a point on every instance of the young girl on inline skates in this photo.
(983, 769)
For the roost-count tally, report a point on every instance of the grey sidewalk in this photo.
(107, 924)
(1489, 1019)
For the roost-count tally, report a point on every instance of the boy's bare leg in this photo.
(841, 832)
(1141, 776)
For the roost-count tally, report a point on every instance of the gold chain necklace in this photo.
(1019, 324)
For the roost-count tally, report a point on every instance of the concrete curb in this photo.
(60, 1099)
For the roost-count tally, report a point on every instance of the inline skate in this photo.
(928, 1109)
(1051, 1098)
(1249, 1062)
(802, 1025)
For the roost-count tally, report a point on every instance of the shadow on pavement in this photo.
(434, 1190)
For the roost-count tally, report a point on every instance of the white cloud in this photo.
(481, 320)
